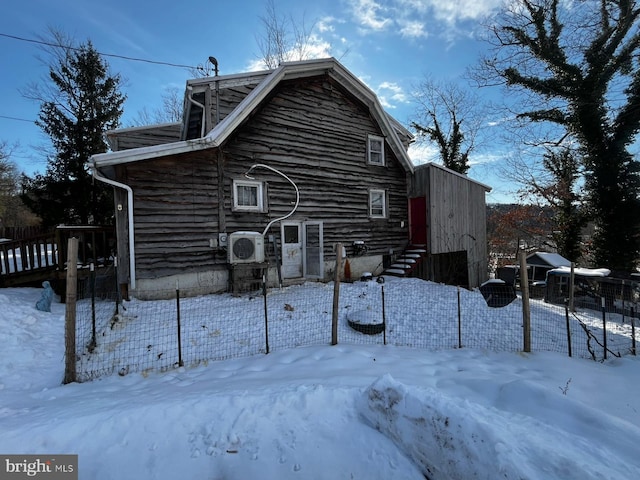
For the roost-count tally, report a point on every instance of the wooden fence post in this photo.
(70, 311)
(526, 310)
(336, 295)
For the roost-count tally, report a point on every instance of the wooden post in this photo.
(526, 310)
(336, 294)
(70, 311)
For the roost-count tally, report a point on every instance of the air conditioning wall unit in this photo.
(245, 247)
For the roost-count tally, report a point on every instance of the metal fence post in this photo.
(336, 295)
(266, 318)
(633, 331)
(180, 361)
(93, 343)
(566, 314)
(459, 320)
(115, 268)
(604, 326)
(526, 309)
(384, 318)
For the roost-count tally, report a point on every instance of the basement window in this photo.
(378, 203)
(375, 150)
(248, 196)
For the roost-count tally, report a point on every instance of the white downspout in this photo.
(204, 111)
(132, 249)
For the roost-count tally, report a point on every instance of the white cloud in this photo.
(484, 158)
(390, 94)
(325, 24)
(453, 12)
(318, 48)
(397, 93)
(409, 18)
(413, 29)
(423, 152)
(369, 14)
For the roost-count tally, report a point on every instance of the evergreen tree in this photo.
(577, 66)
(83, 101)
(450, 146)
(568, 216)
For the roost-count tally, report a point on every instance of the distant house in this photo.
(539, 263)
(269, 171)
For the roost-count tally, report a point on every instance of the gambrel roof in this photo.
(266, 83)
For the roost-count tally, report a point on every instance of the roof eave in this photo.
(147, 153)
(461, 175)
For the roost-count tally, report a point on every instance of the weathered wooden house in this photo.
(266, 174)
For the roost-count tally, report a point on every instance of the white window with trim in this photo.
(375, 150)
(377, 203)
(248, 196)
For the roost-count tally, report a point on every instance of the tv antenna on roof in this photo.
(206, 69)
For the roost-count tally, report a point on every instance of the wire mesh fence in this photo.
(116, 336)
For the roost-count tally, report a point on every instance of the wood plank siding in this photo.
(175, 213)
(312, 130)
(227, 98)
(456, 215)
(136, 137)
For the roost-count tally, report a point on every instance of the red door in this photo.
(418, 220)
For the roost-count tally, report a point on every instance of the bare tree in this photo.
(448, 116)
(170, 111)
(283, 39)
(13, 212)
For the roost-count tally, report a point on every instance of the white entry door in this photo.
(291, 235)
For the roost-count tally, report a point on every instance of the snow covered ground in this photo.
(321, 412)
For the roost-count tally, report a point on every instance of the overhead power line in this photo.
(124, 57)
(16, 118)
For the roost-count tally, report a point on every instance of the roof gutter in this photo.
(132, 249)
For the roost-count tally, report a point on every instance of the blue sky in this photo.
(389, 44)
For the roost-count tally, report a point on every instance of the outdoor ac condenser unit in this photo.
(245, 247)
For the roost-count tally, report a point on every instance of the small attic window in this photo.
(375, 150)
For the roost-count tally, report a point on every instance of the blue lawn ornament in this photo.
(44, 304)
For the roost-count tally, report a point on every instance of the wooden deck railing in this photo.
(37, 253)
(32, 259)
